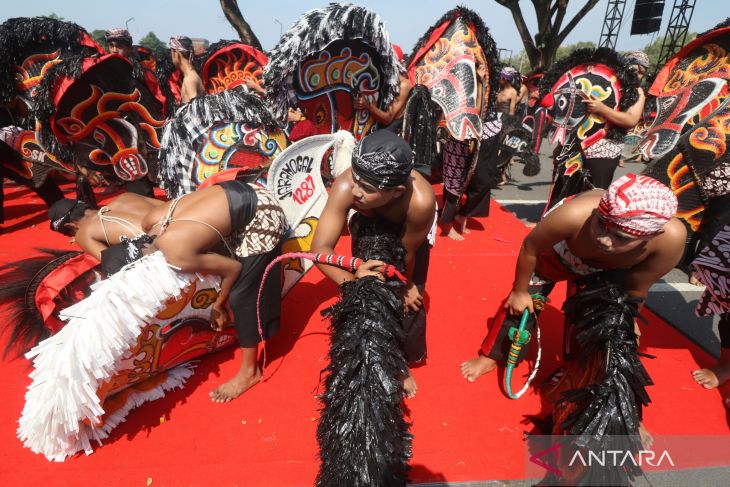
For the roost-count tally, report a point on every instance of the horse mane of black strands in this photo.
(163, 73)
(724, 23)
(315, 30)
(483, 37)
(602, 55)
(363, 438)
(24, 323)
(18, 33)
(603, 315)
(420, 118)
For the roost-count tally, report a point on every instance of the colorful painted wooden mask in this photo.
(108, 118)
(447, 66)
(228, 64)
(569, 114)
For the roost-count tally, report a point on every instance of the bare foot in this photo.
(477, 367)
(240, 383)
(694, 281)
(461, 222)
(706, 378)
(714, 376)
(454, 235)
(646, 439)
(409, 386)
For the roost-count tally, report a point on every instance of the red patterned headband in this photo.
(638, 205)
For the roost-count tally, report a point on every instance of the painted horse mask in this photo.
(569, 114)
(447, 67)
(326, 82)
(228, 64)
(108, 118)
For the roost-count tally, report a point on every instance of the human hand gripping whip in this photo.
(351, 264)
(521, 337)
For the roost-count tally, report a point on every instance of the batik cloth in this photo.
(638, 205)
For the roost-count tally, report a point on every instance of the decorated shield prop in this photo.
(445, 61)
(227, 64)
(295, 180)
(225, 130)
(29, 47)
(691, 133)
(99, 111)
(326, 83)
(321, 69)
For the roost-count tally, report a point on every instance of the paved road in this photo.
(673, 297)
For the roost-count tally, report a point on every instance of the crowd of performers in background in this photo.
(412, 131)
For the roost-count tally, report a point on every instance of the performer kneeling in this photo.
(383, 185)
(631, 227)
(232, 230)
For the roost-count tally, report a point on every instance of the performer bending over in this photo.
(97, 230)
(630, 227)
(232, 230)
(382, 184)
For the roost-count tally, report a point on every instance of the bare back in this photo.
(209, 205)
(122, 217)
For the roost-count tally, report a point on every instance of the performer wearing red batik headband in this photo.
(630, 230)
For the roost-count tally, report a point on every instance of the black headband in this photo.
(60, 213)
(382, 159)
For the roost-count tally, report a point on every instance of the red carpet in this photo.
(462, 431)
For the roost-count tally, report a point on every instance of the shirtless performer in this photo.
(383, 184)
(231, 229)
(631, 227)
(181, 50)
(392, 117)
(97, 230)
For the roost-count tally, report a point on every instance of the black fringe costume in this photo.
(600, 396)
(363, 437)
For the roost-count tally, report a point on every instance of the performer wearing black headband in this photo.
(382, 184)
(95, 231)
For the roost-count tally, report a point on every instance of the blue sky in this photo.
(406, 20)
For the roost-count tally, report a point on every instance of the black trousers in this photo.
(724, 327)
(601, 170)
(414, 324)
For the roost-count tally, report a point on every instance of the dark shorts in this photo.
(242, 203)
(244, 295)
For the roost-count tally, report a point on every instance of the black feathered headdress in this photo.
(24, 36)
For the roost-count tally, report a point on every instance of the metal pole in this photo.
(281, 27)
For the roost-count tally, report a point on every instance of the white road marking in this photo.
(682, 287)
(521, 202)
